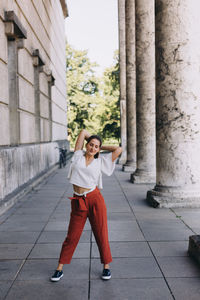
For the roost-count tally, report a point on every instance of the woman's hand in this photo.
(83, 135)
(116, 150)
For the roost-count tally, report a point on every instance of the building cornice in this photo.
(64, 8)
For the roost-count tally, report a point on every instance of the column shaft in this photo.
(13, 92)
(178, 105)
(145, 92)
(50, 110)
(122, 76)
(37, 103)
(130, 86)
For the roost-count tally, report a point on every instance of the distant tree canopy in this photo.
(93, 102)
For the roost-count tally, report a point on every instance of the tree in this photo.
(82, 85)
(111, 119)
(92, 101)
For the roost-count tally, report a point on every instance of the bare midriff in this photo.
(80, 190)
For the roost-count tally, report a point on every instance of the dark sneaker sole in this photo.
(56, 279)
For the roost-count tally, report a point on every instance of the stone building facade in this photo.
(159, 63)
(33, 119)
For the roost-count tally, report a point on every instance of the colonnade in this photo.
(160, 86)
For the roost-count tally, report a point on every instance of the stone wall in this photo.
(33, 89)
(20, 164)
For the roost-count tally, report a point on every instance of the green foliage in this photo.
(111, 118)
(93, 102)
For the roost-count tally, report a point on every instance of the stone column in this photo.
(51, 82)
(122, 76)
(15, 33)
(178, 105)
(145, 92)
(38, 64)
(130, 164)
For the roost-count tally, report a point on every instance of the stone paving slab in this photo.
(15, 251)
(21, 226)
(62, 226)
(120, 216)
(155, 214)
(9, 269)
(34, 211)
(175, 248)
(42, 269)
(129, 289)
(59, 236)
(14, 237)
(165, 230)
(140, 267)
(29, 218)
(192, 219)
(125, 249)
(196, 230)
(4, 288)
(119, 207)
(116, 197)
(179, 267)
(185, 288)
(149, 246)
(43, 290)
(63, 216)
(123, 225)
(129, 234)
(42, 206)
(53, 250)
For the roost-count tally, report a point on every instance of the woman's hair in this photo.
(96, 137)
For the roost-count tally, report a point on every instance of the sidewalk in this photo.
(149, 247)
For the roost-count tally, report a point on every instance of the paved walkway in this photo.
(149, 247)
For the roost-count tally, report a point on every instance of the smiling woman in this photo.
(85, 173)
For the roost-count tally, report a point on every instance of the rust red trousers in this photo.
(91, 206)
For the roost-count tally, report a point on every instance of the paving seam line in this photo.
(25, 260)
(180, 218)
(90, 265)
(145, 238)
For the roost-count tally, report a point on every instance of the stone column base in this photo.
(142, 177)
(194, 247)
(169, 197)
(122, 159)
(128, 168)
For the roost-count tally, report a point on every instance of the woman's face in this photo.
(93, 147)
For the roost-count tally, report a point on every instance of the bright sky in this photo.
(93, 25)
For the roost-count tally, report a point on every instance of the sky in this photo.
(93, 25)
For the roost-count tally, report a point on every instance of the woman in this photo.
(85, 173)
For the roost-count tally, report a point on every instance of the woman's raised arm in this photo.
(116, 150)
(83, 135)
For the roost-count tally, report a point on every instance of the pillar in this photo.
(51, 82)
(122, 76)
(130, 164)
(145, 92)
(38, 64)
(15, 33)
(177, 104)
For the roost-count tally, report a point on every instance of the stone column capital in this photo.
(51, 78)
(13, 27)
(37, 59)
(20, 43)
(64, 8)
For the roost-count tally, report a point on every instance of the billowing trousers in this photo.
(92, 206)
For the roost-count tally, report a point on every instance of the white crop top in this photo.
(91, 176)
